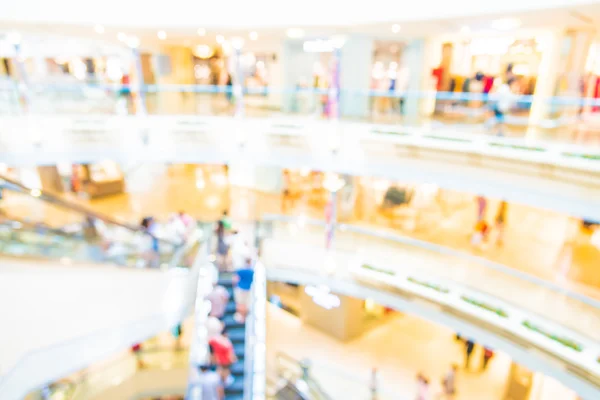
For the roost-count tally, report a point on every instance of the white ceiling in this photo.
(257, 14)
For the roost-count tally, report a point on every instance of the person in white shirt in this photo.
(506, 98)
(210, 383)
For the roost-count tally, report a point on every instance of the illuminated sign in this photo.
(323, 297)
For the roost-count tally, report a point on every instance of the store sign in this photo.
(322, 297)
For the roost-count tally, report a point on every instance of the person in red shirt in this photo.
(224, 356)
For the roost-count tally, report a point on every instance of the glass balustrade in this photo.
(38, 224)
(564, 119)
(299, 244)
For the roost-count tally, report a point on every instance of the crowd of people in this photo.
(234, 256)
(482, 233)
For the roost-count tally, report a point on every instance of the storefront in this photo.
(339, 316)
(472, 67)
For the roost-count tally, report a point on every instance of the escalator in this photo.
(237, 335)
(76, 286)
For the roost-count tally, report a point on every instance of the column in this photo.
(355, 76)
(548, 74)
(413, 65)
(297, 68)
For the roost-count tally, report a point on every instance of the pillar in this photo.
(355, 75)
(297, 68)
(413, 64)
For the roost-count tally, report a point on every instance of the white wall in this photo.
(59, 319)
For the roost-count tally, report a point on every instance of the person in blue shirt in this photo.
(243, 279)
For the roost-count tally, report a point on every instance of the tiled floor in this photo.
(399, 349)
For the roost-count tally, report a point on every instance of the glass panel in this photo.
(66, 230)
(435, 265)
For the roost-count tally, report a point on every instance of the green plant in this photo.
(498, 311)
(570, 343)
(396, 196)
(433, 286)
(384, 271)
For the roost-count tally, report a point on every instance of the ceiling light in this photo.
(203, 51)
(237, 42)
(14, 38)
(395, 28)
(201, 32)
(506, 24)
(295, 33)
(162, 35)
(220, 39)
(465, 30)
(133, 42)
(121, 36)
(99, 29)
(253, 35)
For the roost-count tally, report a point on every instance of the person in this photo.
(214, 327)
(224, 356)
(210, 384)
(238, 249)
(374, 384)
(229, 89)
(286, 198)
(218, 298)
(222, 246)
(505, 101)
(500, 219)
(186, 219)
(480, 233)
(177, 332)
(481, 206)
(449, 382)
(487, 356)
(241, 293)
(136, 349)
(225, 220)
(422, 387)
(149, 226)
(469, 347)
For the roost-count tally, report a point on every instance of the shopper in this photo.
(488, 354)
(469, 347)
(422, 387)
(218, 298)
(241, 293)
(224, 356)
(225, 220)
(374, 384)
(214, 327)
(222, 246)
(505, 100)
(238, 249)
(449, 382)
(481, 207)
(177, 332)
(210, 384)
(500, 220)
(150, 227)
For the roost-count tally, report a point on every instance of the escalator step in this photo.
(237, 369)
(230, 309)
(237, 335)
(231, 323)
(239, 350)
(236, 388)
(234, 397)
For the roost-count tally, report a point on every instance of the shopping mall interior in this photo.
(329, 203)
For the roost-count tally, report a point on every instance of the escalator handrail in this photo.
(311, 380)
(58, 200)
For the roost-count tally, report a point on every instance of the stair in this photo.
(237, 334)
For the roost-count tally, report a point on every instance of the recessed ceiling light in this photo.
(506, 24)
(465, 29)
(395, 28)
(295, 33)
(99, 29)
(220, 39)
(121, 36)
(201, 32)
(162, 35)
(133, 42)
(253, 35)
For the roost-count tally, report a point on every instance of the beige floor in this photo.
(399, 349)
(534, 239)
